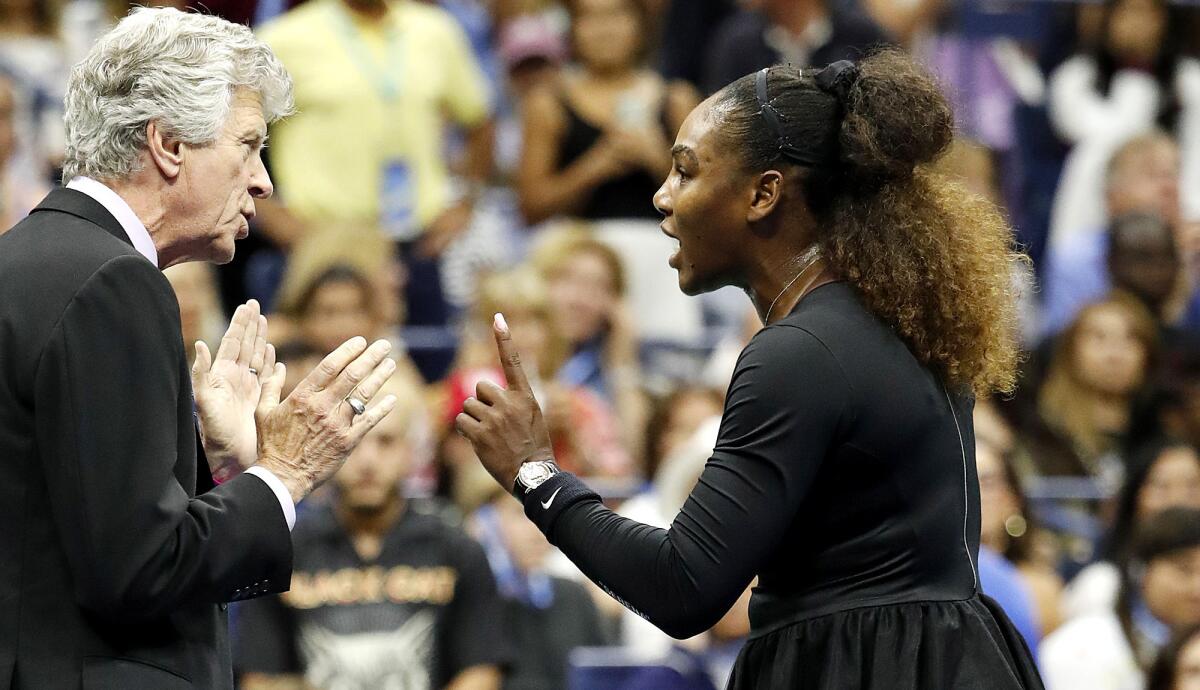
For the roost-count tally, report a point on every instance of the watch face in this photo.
(532, 474)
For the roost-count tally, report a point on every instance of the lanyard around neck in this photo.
(384, 78)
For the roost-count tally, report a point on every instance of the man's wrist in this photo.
(298, 484)
(275, 484)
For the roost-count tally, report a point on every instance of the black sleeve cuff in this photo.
(544, 504)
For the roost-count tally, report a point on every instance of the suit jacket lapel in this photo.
(83, 206)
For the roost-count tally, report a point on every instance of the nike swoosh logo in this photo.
(546, 503)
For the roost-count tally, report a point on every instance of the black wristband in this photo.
(544, 504)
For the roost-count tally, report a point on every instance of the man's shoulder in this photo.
(52, 253)
(50, 232)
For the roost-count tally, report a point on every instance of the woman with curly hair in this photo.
(843, 476)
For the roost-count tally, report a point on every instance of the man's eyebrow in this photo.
(685, 152)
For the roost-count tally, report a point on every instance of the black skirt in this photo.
(925, 645)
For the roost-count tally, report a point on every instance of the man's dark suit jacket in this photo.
(116, 550)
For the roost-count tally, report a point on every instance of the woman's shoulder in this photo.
(807, 342)
(786, 346)
(834, 313)
(544, 106)
(866, 349)
(788, 369)
(787, 336)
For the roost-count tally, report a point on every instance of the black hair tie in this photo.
(837, 78)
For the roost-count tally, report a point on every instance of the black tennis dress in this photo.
(844, 478)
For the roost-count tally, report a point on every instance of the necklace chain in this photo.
(809, 258)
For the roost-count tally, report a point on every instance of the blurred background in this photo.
(452, 159)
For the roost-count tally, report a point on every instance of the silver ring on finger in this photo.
(357, 405)
(253, 370)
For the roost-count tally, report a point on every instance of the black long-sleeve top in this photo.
(843, 477)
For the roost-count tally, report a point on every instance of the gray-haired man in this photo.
(117, 552)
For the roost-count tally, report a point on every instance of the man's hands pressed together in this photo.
(307, 437)
(228, 391)
(304, 439)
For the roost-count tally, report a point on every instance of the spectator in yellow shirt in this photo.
(376, 84)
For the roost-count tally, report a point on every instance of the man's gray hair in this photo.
(178, 69)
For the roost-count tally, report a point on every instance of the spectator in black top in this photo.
(796, 32)
(382, 596)
(843, 475)
(596, 141)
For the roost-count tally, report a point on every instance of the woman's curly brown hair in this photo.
(928, 257)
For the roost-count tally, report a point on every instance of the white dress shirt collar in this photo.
(120, 210)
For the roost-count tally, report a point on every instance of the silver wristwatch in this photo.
(533, 474)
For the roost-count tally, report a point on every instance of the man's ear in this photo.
(765, 195)
(165, 151)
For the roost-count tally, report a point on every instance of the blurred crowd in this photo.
(451, 159)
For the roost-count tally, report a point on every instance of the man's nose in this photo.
(260, 181)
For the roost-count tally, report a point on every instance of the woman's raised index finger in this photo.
(510, 359)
